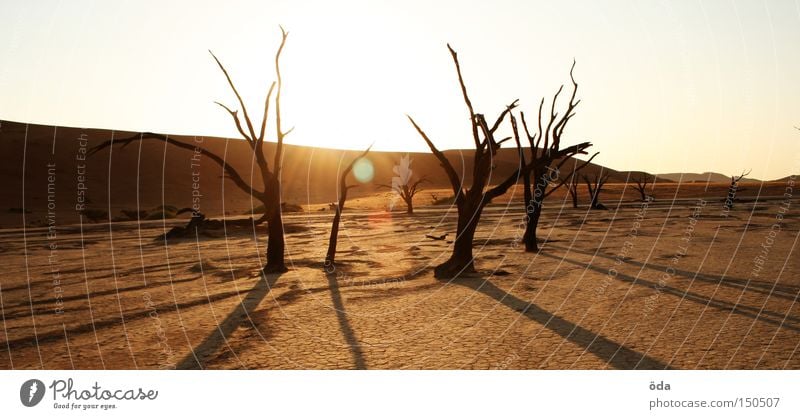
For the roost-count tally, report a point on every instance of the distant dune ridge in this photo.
(702, 177)
(165, 173)
(148, 174)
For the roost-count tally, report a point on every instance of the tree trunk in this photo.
(530, 228)
(275, 244)
(731, 196)
(573, 193)
(275, 240)
(409, 206)
(530, 238)
(533, 211)
(461, 260)
(330, 256)
(643, 193)
(529, 211)
(592, 196)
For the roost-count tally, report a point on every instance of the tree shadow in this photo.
(763, 315)
(614, 354)
(220, 335)
(762, 287)
(344, 323)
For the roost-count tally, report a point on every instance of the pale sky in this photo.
(667, 86)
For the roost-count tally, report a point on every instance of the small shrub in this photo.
(170, 208)
(161, 215)
(95, 215)
(289, 207)
(443, 201)
(257, 210)
(133, 214)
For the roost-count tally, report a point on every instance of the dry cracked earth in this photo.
(669, 285)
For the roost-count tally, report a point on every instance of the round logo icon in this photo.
(31, 392)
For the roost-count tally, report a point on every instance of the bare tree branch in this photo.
(553, 115)
(452, 175)
(413, 188)
(235, 116)
(278, 130)
(515, 131)
(640, 183)
(238, 96)
(466, 97)
(572, 174)
(595, 186)
(230, 170)
(503, 187)
(740, 177)
(266, 113)
(503, 115)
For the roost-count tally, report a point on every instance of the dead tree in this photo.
(270, 196)
(572, 187)
(406, 192)
(330, 256)
(546, 159)
(471, 200)
(595, 185)
(641, 180)
(402, 184)
(733, 189)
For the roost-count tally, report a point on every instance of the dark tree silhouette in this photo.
(407, 191)
(271, 195)
(472, 200)
(641, 180)
(330, 256)
(595, 185)
(733, 189)
(546, 159)
(572, 187)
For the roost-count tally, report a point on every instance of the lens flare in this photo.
(363, 170)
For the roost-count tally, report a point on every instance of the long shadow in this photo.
(614, 354)
(761, 287)
(219, 336)
(344, 323)
(57, 334)
(114, 291)
(766, 316)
